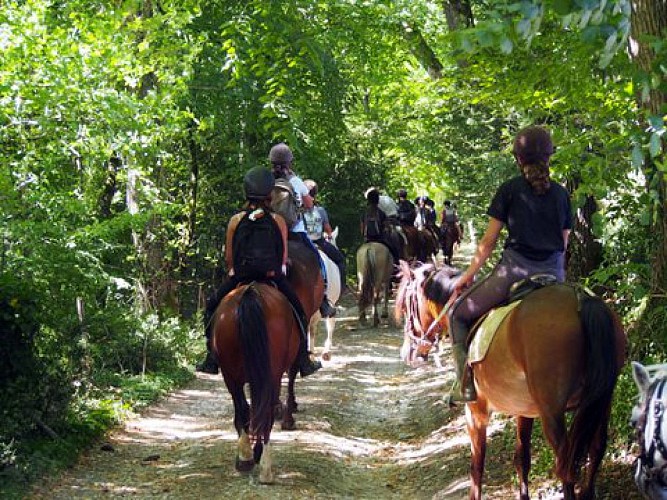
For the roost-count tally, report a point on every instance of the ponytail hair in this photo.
(532, 149)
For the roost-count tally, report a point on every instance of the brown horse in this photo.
(411, 249)
(557, 351)
(305, 276)
(450, 234)
(256, 339)
(374, 269)
(428, 245)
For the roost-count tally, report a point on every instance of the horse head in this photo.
(422, 297)
(650, 423)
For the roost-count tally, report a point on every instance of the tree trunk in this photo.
(649, 23)
(584, 253)
(458, 14)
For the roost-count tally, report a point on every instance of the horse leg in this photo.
(287, 423)
(477, 419)
(328, 343)
(244, 457)
(595, 456)
(266, 466)
(386, 291)
(313, 328)
(524, 430)
(556, 433)
(376, 307)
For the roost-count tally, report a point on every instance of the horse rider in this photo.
(281, 159)
(320, 232)
(425, 219)
(394, 235)
(374, 221)
(537, 214)
(256, 250)
(449, 221)
(406, 209)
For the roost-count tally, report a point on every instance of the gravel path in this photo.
(368, 427)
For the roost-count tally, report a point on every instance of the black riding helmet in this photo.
(258, 183)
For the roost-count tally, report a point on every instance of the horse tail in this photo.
(400, 305)
(591, 417)
(256, 359)
(366, 292)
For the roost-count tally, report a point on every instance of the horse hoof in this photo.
(326, 356)
(244, 465)
(266, 478)
(290, 425)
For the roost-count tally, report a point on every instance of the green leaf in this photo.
(655, 145)
(637, 156)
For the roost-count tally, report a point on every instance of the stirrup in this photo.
(326, 309)
(309, 366)
(209, 365)
(461, 394)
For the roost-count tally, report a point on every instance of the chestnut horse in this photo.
(557, 351)
(374, 269)
(256, 339)
(304, 275)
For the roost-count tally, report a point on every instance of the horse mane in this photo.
(440, 286)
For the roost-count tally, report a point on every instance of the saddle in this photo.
(482, 333)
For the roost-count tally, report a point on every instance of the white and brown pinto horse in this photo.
(650, 422)
(333, 291)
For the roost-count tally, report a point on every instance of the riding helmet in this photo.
(258, 183)
(281, 154)
(312, 186)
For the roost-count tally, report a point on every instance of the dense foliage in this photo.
(126, 126)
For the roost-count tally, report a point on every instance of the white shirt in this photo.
(300, 190)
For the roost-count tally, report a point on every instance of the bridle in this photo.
(645, 463)
(420, 337)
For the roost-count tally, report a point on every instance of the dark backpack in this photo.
(283, 202)
(257, 245)
(373, 226)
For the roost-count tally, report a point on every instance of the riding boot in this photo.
(210, 364)
(464, 388)
(307, 366)
(326, 309)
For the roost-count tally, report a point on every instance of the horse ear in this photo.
(334, 233)
(642, 378)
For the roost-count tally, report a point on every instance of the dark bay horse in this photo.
(374, 270)
(410, 250)
(450, 234)
(256, 339)
(558, 351)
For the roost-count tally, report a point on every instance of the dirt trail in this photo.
(368, 427)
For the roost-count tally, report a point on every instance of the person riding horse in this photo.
(281, 159)
(256, 250)
(374, 222)
(406, 209)
(450, 231)
(537, 214)
(318, 227)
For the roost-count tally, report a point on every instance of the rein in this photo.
(646, 457)
(421, 337)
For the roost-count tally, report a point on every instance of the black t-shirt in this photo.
(535, 223)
